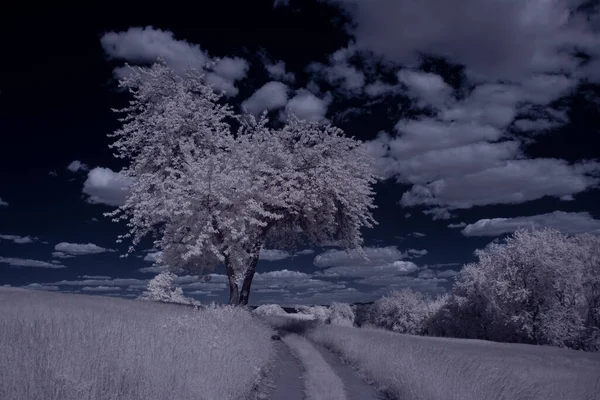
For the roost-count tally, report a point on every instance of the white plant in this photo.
(537, 286)
(340, 314)
(162, 288)
(212, 196)
(269, 309)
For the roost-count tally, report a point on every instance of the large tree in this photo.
(212, 186)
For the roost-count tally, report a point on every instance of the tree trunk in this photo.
(248, 280)
(233, 287)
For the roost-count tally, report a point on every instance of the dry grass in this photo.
(63, 347)
(425, 368)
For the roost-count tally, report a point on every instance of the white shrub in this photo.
(269, 309)
(340, 314)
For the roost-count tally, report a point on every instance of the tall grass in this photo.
(425, 368)
(74, 347)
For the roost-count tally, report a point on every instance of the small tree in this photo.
(210, 196)
(162, 288)
(529, 288)
(340, 314)
(404, 311)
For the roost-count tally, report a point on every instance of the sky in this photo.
(482, 116)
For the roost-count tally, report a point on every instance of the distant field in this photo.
(75, 347)
(425, 368)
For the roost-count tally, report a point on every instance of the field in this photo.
(66, 346)
(426, 368)
(75, 347)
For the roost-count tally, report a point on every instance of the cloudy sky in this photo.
(483, 116)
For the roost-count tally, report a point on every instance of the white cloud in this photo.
(566, 222)
(104, 186)
(307, 106)
(77, 249)
(60, 254)
(104, 277)
(340, 75)
(19, 239)
(100, 288)
(516, 181)
(521, 57)
(3, 203)
(281, 274)
(139, 283)
(418, 234)
(378, 88)
(37, 286)
(430, 89)
(506, 39)
(376, 256)
(76, 166)
(145, 45)
(459, 225)
(152, 256)
(448, 273)
(156, 269)
(273, 255)
(305, 252)
(417, 253)
(26, 262)
(271, 96)
(362, 271)
(277, 71)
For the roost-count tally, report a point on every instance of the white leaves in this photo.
(213, 196)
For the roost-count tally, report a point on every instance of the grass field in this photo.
(426, 368)
(76, 347)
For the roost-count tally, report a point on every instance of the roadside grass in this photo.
(426, 368)
(76, 347)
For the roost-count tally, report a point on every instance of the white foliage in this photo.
(162, 288)
(319, 313)
(269, 309)
(404, 311)
(340, 314)
(213, 196)
(537, 287)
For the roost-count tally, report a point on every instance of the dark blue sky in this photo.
(483, 117)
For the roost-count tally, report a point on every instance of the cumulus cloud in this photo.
(506, 39)
(273, 255)
(104, 186)
(427, 88)
(522, 56)
(307, 106)
(76, 166)
(26, 262)
(358, 271)
(60, 254)
(340, 75)
(271, 96)
(375, 256)
(100, 288)
(145, 45)
(38, 286)
(3, 203)
(277, 71)
(516, 181)
(304, 252)
(566, 222)
(77, 249)
(19, 239)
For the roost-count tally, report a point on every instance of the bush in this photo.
(340, 314)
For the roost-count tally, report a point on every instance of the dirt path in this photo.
(284, 381)
(356, 387)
